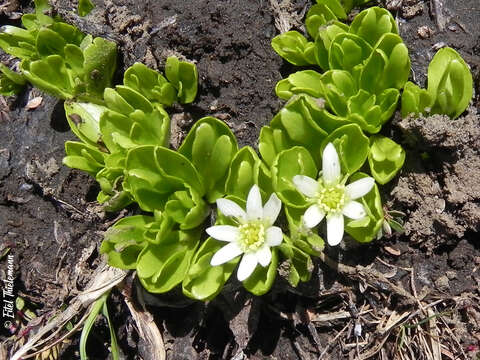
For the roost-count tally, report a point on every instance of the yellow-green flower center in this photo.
(331, 199)
(252, 236)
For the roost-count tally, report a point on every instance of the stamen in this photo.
(252, 236)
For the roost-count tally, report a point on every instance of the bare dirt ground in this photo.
(408, 296)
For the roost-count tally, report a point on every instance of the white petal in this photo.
(334, 229)
(272, 208)
(354, 210)
(247, 265)
(306, 185)
(359, 188)
(274, 236)
(264, 256)
(254, 204)
(330, 165)
(225, 254)
(223, 232)
(313, 216)
(230, 208)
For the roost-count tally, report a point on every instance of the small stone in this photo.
(424, 32)
(442, 283)
(451, 275)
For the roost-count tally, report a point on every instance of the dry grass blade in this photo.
(104, 278)
(148, 332)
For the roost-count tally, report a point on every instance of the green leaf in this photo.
(150, 84)
(11, 82)
(184, 77)
(124, 241)
(306, 82)
(155, 173)
(449, 83)
(83, 157)
(352, 147)
(288, 163)
(121, 132)
(367, 228)
(338, 86)
(84, 7)
(271, 142)
(164, 265)
(326, 34)
(48, 42)
(302, 237)
(372, 23)
(387, 67)
(386, 158)
(292, 46)
(299, 127)
(203, 281)
(210, 146)
(87, 327)
(84, 119)
(348, 51)
(262, 278)
(299, 263)
(317, 16)
(363, 111)
(99, 65)
(17, 42)
(51, 75)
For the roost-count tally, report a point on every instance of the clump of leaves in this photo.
(131, 115)
(11, 82)
(58, 58)
(449, 90)
(365, 64)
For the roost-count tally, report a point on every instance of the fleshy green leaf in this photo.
(162, 266)
(124, 241)
(11, 82)
(84, 119)
(326, 34)
(288, 163)
(150, 84)
(352, 147)
(246, 169)
(262, 278)
(299, 127)
(203, 281)
(50, 74)
(84, 7)
(293, 47)
(184, 77)
(372, 23)
(386, 158)
(306, 82)
(449, 83)
(348, 51)
(210, 146)
(99, 66)
(155, 173)
(83, 157)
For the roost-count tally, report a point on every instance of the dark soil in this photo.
(50, 221)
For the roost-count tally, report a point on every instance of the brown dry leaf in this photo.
(392, 251)
(34, 103)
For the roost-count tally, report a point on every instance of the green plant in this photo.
(449, 91)
(57, 58)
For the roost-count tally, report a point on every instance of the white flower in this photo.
(253, 236)
(331, 198)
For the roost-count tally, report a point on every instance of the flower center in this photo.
(331, 199)
(252, 236)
